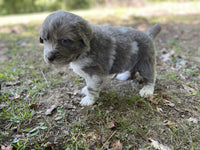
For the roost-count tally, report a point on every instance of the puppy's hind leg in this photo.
(124, 76)
(147, 71)
(147, 90)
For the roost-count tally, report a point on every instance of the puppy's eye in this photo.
(41, 40)
(64, 42)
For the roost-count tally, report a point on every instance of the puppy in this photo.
(95, 51)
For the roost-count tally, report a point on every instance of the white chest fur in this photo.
(77, 66)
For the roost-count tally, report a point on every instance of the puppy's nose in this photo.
(51, 58)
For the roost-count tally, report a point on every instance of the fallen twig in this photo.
(108, 139)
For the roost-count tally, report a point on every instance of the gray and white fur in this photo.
(95, 51)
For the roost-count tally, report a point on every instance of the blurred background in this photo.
(26, 11)
(31, 6)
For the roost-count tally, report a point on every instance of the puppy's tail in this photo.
(153, 31)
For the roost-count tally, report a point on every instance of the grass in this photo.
(29, 87)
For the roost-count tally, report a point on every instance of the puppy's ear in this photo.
(85, 31)
(41, 40)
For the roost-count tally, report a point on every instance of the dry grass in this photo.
(120, 116)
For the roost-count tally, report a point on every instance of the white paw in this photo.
(87, 101)
(147, 91)
(84, 91)
(124, 76)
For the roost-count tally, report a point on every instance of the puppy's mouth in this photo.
(58, 60)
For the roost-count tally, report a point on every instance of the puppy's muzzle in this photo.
(51, 58)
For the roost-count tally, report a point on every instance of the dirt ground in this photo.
(39, 104)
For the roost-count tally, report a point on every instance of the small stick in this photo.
(44, 76)
(108, 139)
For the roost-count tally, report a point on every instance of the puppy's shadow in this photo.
(122, 88)
(117, 99)
(120, 95)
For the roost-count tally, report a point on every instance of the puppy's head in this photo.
(65, 37)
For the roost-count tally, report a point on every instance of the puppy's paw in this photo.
(87, 101)
(123, 76)
(147, 91)
(84, 91)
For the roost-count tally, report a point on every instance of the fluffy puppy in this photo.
(95, 51)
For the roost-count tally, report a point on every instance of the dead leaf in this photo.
(166, 57)
(50, 110)
(117, 145)
(28, 95)
(19, 136)
(169, 123)
(33, 106)
(69, 106)
(111, 125)
(197, 87)
(2, 105)
(70, 94)
(197, 59)
(58, 118)
(6, 147)
(75, 103)
(48, 144)
(193, 120)
(182, 77)
(159, 110)
(14, 129)
(157, 145)
(153, 100)
(188, 89)
(23, 44)
(16, 96)
(168, 103)
(12, 83)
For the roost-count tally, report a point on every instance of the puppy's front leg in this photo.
(94, 84)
